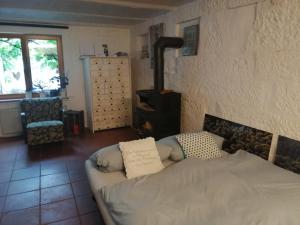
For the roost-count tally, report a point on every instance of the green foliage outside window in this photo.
(48, 59)
(10, 49)
(44, 64)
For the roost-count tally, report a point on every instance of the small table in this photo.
(73, 122)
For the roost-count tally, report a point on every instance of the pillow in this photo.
(218, 139)
(177, 153)
(201, 145)
(140, 157)
(109, 159)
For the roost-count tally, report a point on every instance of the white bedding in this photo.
(238, 189)
(99, 179)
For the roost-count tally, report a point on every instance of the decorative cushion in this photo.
(218, 139)
(109, 159)
(140, 157)
(201, 145)
(177, 153)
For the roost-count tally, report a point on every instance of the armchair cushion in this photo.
(48, 123)
(45, 132)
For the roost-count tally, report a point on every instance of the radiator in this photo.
(10, 120)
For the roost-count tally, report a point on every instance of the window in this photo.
(29, 63)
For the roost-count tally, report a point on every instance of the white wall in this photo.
(247, 69)
(118, 39)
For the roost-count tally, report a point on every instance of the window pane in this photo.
(12, 79)
(44, 64)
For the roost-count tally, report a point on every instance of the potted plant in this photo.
(63, 80)
(40, 86)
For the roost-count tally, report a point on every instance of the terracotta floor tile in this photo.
(26, 185)
(2, 201)
(6, 166)
(22, 201)
(93, 218)
(3, 188)
(22, 164)
(29, 154)
(54, 180)
(22, 217)
(86, 204)
(29, 172)
(72, 221)
(56, 193)
(76, 164)
(58, 211)
(5, 176)
(7, 155)
(52, 168)
(23, 208)
(76, 175)
(81, 188)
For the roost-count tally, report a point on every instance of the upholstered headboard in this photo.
(288, 154)
(238, 136)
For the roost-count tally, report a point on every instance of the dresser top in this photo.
(102, 57)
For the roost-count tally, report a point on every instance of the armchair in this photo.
(42, 120)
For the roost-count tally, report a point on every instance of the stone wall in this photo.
(247, 69)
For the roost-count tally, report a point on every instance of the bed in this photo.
(99, 180)
(239, 188)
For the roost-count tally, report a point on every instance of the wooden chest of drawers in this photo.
(108, 92)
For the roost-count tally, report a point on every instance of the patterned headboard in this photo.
(288, 154)
(238, 136)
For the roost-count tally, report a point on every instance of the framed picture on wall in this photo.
(191, 40)
(189, 30)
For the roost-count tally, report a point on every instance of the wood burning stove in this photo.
(158, 111)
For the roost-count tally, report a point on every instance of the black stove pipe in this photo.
(159, 48)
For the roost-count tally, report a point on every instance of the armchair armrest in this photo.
(23, 118)
(24, 123)
(61, 115)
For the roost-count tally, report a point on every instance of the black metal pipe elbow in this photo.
(159, 48)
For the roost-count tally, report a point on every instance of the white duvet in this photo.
(238, 189)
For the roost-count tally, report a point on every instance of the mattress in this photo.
(98, 179)
(240, 188)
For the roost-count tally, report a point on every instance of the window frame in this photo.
(26, 58)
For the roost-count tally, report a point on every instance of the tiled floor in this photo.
(47, 185)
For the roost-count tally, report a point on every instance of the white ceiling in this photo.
(85, 12)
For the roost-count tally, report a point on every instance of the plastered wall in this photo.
(247, 69)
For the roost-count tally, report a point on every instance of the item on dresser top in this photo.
(105, 49)
(120, 54)
(108, 92)
(201, 145)
(140, 157)
(109, 159)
